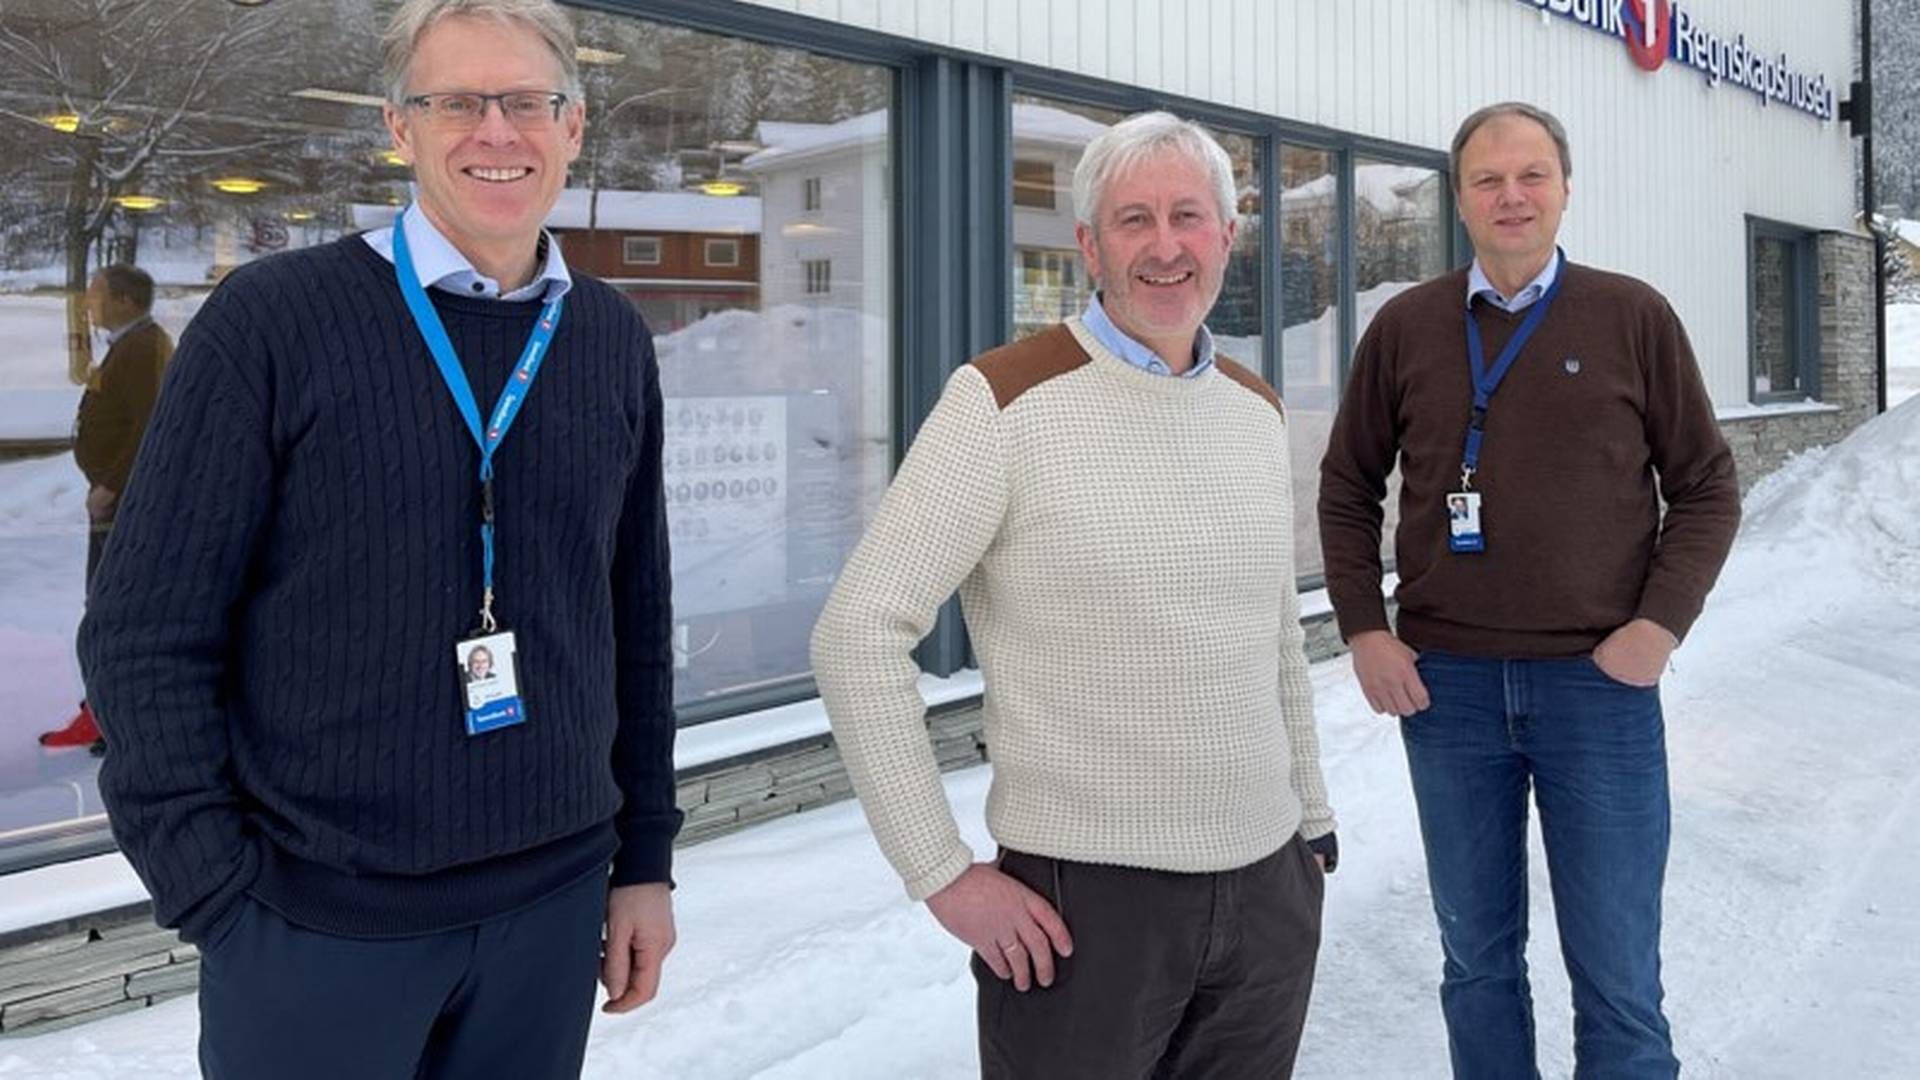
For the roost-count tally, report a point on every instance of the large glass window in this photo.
(1783, 356)
(1050, 281)
(1400, 225)
(719, 181)
(1310, 352)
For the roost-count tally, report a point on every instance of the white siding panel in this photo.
(1268, 62)
(1036, 34)
(1003, 27)
(900, 17)
(863, 13)
(969, 24)
(1175, 24)
(933, 21)
(1097, 21)
(1066, 33)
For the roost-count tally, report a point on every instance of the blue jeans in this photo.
(1594, 752)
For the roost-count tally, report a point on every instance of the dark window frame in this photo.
(1038, 194)
(626, 251)
(818, 277)
(1804, 296)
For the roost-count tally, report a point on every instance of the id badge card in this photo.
(490, 681)
(1463, 522)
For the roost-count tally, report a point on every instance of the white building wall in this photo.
(1665, 167)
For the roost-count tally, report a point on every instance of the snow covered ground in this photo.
(1793, 899)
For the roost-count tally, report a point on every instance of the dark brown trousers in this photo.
(1172, 977)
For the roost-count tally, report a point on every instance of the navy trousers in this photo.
(510, 997)
(1593, 751)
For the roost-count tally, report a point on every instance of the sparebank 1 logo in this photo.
(1649, 31)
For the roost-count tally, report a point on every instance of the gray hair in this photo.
(1142, 136)
(416, 17)
(1523, 110)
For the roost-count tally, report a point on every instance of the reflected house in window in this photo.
(821, 183)
(678, 255)
(652, 246)
(1050, 281)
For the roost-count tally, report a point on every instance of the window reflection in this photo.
(1400, 223)
(1050, 282)
(737, 193)
(1310, 350)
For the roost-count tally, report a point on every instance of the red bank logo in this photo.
(1649, 31)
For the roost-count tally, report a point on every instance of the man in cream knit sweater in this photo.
(1112, 501)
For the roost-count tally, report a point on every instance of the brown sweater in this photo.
(114, 411)
(1576, 460)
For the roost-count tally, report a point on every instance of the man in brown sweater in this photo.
(113, 416)
(1540, 412)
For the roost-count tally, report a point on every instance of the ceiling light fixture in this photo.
(723, 188)
(65, 123)
(240, 185)
(587, 54)
(338, 97)
(138, 202)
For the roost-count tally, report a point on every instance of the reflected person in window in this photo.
(113, 416)
(1532, 633)
(1112, 500)
(383, 879)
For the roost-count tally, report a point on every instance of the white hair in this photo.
(1126, 144)
(416, 17)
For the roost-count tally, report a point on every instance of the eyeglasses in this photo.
(526, 110)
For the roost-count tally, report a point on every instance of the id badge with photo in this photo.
(1463, 522)
(490, 681)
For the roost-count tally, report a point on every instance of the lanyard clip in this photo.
(1466, 478)
(487, 622)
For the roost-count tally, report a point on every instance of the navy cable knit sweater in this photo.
(269, 642)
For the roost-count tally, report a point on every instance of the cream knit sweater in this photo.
(1122, 544)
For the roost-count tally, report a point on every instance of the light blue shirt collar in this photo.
(441, 266)
(1479, 286)
(1133, 352)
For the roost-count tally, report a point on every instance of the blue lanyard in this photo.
(512, 396)
(1486, 380)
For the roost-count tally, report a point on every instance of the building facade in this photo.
(823, 207)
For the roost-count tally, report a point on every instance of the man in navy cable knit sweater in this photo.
(371, 460)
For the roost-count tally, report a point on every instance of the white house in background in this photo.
(829, 188)
(1046, 260)
(827, 184)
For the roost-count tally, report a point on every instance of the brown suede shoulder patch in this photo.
(1012, 370)
(1252, 382)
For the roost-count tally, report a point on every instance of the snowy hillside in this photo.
(1793, 899)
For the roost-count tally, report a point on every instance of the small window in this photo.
(1033, 184)
(1782, 335)
(641, 251)
(810, 193)
(723, 253)
(819, 276)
